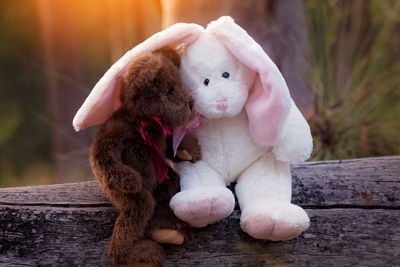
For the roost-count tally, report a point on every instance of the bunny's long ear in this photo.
(268, 104)
(103, 100)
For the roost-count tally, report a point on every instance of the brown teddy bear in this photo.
(128, 158)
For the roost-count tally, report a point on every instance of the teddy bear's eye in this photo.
(206, 82)
(226, 75)
(170, 91)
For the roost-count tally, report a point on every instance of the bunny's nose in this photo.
(222, 104)
(191, 105)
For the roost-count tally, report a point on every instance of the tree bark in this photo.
(279, 26)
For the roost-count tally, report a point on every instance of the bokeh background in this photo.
(341, 60)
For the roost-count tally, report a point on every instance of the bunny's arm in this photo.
(295, 143)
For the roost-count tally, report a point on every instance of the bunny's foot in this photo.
(203, 205)
(274, 221)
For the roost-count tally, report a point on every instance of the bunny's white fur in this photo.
(230, 153)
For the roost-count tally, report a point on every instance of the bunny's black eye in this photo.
(170, 91)
(206, 82)
(226, 75)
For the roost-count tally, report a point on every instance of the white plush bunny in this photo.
(249, 133)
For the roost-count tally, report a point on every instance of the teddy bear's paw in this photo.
(167, 236)
(274, 221)
(204, 205)
(140, 253)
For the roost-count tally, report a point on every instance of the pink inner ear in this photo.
(268, 105)
(117, 94)
(105, 106)
(104, 98)
(265, 112)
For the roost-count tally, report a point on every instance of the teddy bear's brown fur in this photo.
(122, 163)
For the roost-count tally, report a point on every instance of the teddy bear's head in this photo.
(152, 87)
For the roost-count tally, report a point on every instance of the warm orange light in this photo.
(123, 22)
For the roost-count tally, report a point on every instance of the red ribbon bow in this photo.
(145, 126)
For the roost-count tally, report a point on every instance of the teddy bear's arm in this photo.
(125, 179)
(188, 149)
(107, 162)
(112, 173)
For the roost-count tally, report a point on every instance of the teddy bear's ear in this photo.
(170, 54)
(140, 71)
(104, 99)
(269, 103)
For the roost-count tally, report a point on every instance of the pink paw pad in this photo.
(269, 229)
(202, 212)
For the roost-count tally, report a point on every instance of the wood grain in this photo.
(353, 205)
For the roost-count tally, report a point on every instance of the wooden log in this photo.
(353, 205)
(357, 182)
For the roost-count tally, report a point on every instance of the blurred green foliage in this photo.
(356, 78)
(24, 136)
(25, 121)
